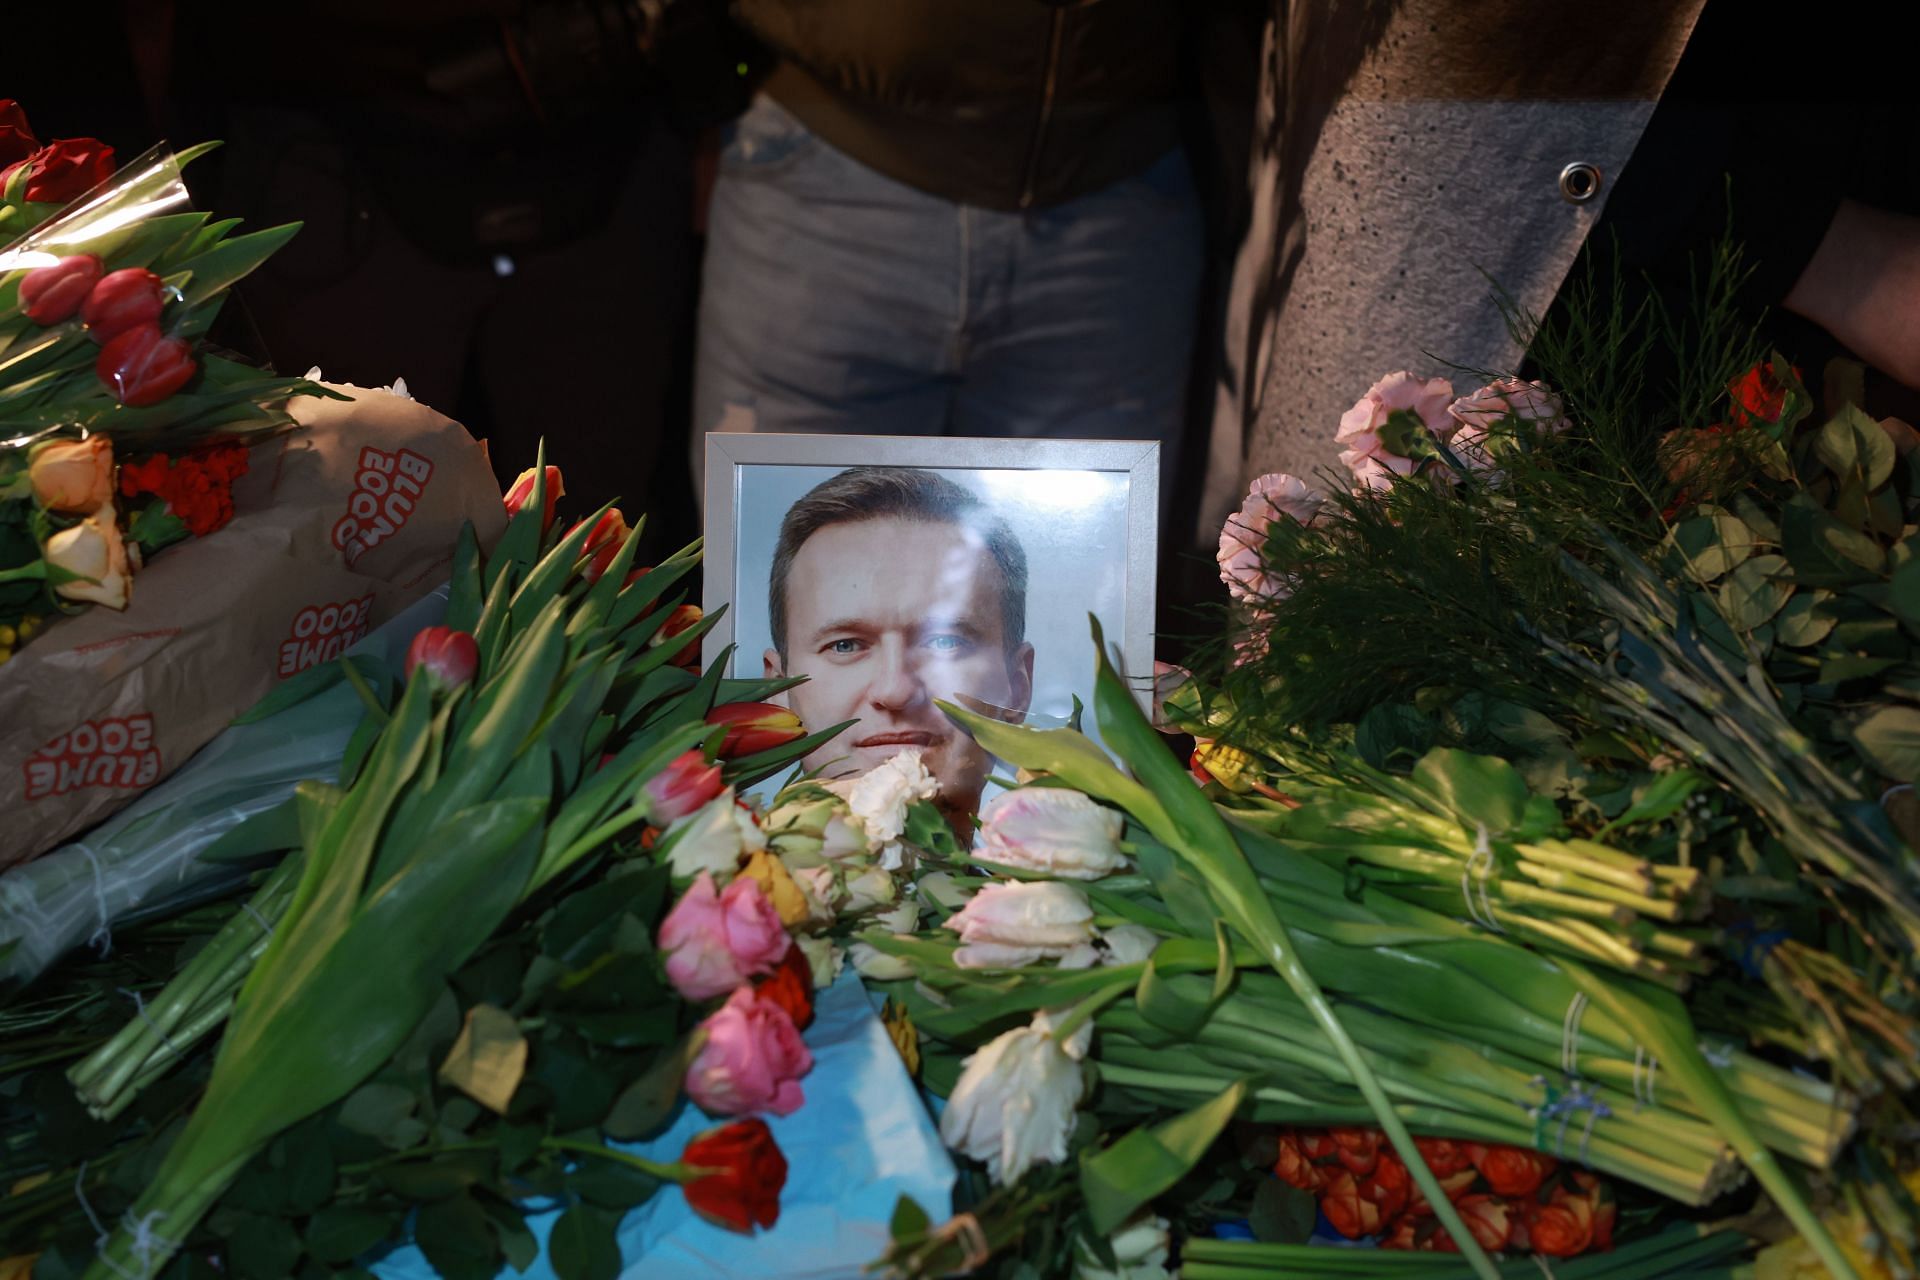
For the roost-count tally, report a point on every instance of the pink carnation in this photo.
(1244, 536)
(1372, 464)
(1504, 398)
(751, 1059)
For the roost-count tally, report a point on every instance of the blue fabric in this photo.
(861, 1140)
(835, 299)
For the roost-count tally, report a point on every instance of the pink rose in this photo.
(751, 1060)
(716, 941)
(1244, 536)
(1012, 923)
(1360, 427)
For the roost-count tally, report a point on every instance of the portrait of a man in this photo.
(893, 588)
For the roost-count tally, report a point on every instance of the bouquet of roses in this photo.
(108, 285)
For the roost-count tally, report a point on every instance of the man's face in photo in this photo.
(883, 617)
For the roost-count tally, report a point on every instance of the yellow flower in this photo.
(900, 1030)
(775, 881)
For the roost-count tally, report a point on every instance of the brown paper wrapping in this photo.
(339, 526)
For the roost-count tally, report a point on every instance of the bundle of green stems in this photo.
(1694, 1253)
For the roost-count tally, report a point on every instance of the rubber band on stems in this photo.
(140, 1012)
(1645, 1068)
(1482, 866)
(266, 925)
(102, 936)
(101, 1236)
(966, 1229)
(1570, 1034)
(1562, 1108)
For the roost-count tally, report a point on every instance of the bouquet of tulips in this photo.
(463, 968)
(120, 431)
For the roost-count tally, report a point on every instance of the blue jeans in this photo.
(838, 300)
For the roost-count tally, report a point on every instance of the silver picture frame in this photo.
(729, 454)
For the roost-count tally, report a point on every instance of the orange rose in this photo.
(1294, 1167)
(1455, 1184)
(1489, 1219)
(1443, 1155)
(1595, 1193)
(93, 551)
(1514, 1171)
(1357, 1148)
(1388, 1185)
(1352, 1214)
(1562, 1228)
(72, 476)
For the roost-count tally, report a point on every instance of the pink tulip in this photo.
(752, 1059)
(717, 941)
(450, 656)
(686, 784)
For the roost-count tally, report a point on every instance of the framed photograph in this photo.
(894, 571)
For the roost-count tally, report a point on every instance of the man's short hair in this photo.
(903, 493)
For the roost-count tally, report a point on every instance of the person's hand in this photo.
(1863, 287)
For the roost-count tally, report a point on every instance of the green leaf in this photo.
(610, 1184)
(457, 1239)
(1825, 552)
(385, 1111)
(1755, 591)
(1391, 734)
(909, 1219)
(583, 1246)
(1282, 1214)
(261, 1248)
(1853, 445)
(1480, 790)
(440, 1176)
(1151, 1159)
(645, 1104)
(310, 1168)
(339, 1233)
(231, 260)
(1806, 621)
(1712, 543)
(269, 831)
(1889, 737)
(1405, 434)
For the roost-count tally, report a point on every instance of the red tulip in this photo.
(123, 300)
(753, 727)
(143, 366)
(63, 169)
(742, 1173)
(450, 657)
(520, 493)
(683, 617)
(687, 783)
(603, 544)
(53, 293)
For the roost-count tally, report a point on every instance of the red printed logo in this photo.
(321, 632)
(100, 753)
(386, 489)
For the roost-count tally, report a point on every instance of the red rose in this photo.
(143, 366)
(1403, 1234)
(1514, 1171)
(1357, 1148)
(745, 1174)
(123, 300)
(1759, 398)
(1595, 1193)
(791, 987)
(1294, 1167)
(63, 169)
(51, 294)
(1561, 1229)
(16, 136)
(1443, 1155)
(1318, 1144)
(1489, 1219)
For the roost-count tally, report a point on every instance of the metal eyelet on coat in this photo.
(1579, 182)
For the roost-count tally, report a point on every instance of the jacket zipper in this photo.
(1049, 86)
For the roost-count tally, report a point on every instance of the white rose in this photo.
(1140, 1250)
(822, 894)
(1127, 943)
(871, 888)
(1013, 1106)
(842, 839)
(899, 919)
(880, 796)
(1064, 833)
(876, 965)
(1011, 923)
(714, 837)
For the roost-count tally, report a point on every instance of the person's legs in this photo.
(1085, 315)
(831, 296)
